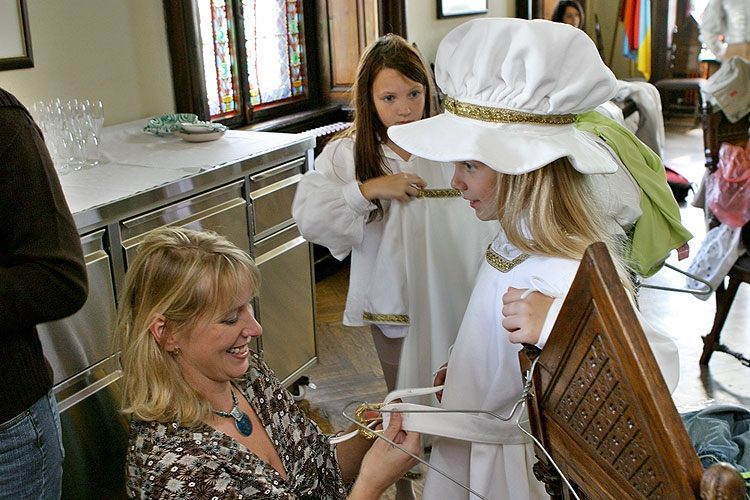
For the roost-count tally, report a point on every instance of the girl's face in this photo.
(397, 99)
(478, 184)
(216, 350)
(572, 17)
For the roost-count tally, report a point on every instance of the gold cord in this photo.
(501, 115)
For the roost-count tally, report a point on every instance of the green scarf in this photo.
(659, 230)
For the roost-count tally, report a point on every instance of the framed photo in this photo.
(453, 8)
(15, 38)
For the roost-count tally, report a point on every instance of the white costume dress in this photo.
(483, 374)
(411, 271)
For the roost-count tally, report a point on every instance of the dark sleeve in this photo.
(42, 271)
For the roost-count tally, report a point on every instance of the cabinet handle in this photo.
(89, 390)
(276, 186)
(260, 259)
(271, 172)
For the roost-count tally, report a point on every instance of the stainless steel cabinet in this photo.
(286, 292)
(283, 256)
(271, 195)
(222, 210)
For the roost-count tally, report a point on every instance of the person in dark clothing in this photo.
(42, 278)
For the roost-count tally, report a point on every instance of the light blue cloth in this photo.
(720, 434)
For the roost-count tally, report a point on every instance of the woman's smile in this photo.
(240, 351)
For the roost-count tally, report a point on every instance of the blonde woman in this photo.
(209, 418)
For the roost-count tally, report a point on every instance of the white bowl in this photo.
(201, 137)
(202, 127)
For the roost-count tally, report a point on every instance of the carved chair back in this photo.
(599, 404)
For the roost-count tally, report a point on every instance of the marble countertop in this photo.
(134, 161)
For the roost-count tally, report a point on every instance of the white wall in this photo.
(424, 27)
(111, 50)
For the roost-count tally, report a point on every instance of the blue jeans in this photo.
(720, 433)
(31, 453)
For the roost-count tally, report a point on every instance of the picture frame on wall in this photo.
(455, 8)
(15, 38)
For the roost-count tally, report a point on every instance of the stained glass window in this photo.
(275, 53)
(217, 58)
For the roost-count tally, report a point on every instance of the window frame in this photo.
(183, 34)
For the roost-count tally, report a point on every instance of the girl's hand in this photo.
(402, 186)
(524, 318)
(440, 380)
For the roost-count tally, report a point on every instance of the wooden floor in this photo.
(348, 368)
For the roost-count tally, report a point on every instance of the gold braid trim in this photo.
(501, 263)
(500, 115)
(439, 193)
(385, 318)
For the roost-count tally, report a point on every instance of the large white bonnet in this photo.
(513, 88)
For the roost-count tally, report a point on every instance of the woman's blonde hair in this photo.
(553, 211)
(187, 277)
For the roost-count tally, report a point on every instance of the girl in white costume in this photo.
(509, 128)
(415, 246)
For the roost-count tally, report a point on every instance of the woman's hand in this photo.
(440, 375)
(402, 186)
(524, 317)
(384, 464)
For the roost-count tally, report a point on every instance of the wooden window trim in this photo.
(183, 36)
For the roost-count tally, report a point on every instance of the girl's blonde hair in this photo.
(553, 211)
(390, 51)
(188, 277)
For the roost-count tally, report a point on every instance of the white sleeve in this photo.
(713, 24)
(554, 310)
(664, 349)
(328, 207)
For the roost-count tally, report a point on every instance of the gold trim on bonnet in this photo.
(439, 193)
(501, 263)
(500, 115)
(385, 318)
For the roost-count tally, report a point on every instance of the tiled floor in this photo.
(348, 368)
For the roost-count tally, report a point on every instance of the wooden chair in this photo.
(680, 91)
(717, 129)
(599, 406)
(738, 274)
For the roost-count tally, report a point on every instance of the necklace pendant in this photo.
(242, 422)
